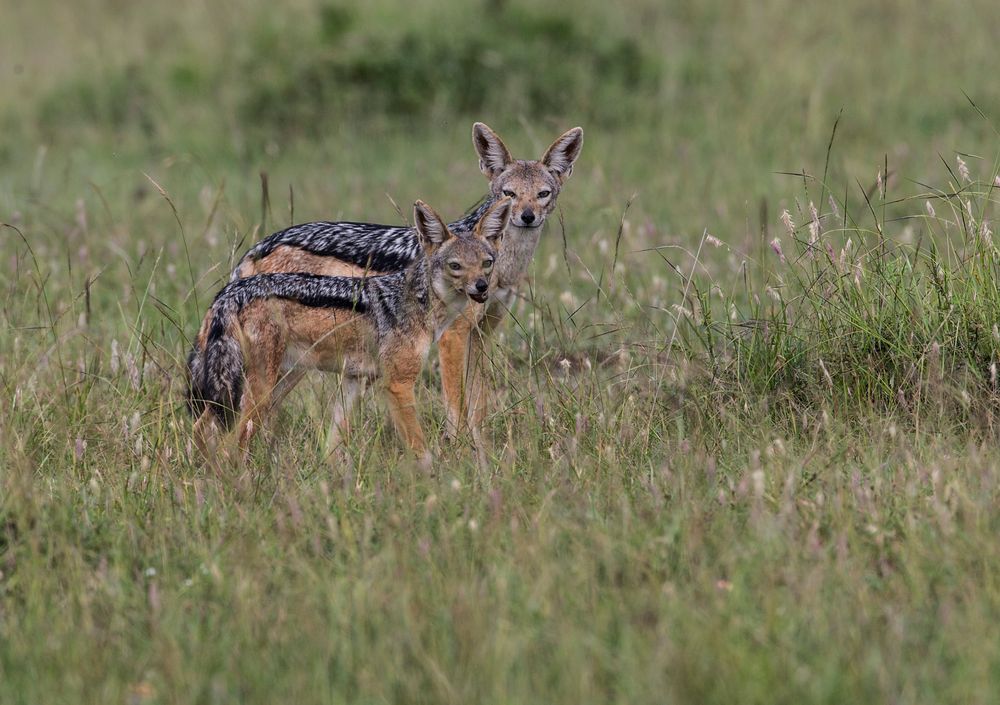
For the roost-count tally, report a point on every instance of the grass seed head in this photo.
(813, 224)
(786, 220)
(963, 170)
(776, 246)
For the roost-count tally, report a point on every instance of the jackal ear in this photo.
(431, 230)
(561, 155)
(493, 154)
(492, 225)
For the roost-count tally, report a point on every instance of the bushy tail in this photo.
(215, 374)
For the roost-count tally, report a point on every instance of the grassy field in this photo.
(744, 445)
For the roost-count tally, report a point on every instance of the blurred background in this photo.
(692, 105)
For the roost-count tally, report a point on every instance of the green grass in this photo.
(716, 475)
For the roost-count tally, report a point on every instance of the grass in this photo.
(717, 473)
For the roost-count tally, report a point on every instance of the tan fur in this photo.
(280, 334)
(461, 348)
(292, 259)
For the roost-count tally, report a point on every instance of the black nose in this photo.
(528, 216)
(481, 285)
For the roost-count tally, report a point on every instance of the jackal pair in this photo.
(367, 300)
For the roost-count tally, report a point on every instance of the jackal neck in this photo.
(515, 255)
(417, 284)
(421, 300)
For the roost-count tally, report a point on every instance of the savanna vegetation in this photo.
(744, 445)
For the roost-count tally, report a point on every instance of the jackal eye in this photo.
(487, 263)
(454, 266)
(544, 194)
(509, 193)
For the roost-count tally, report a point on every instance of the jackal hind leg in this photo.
(262, 369)
(207, 436)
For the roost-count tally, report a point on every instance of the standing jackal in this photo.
(352, 249)
(263, 332)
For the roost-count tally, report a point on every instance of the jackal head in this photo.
(460, 265)
(533, 186)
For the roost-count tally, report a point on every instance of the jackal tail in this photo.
(215, 368)
(215, 373)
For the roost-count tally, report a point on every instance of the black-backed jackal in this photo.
(351, 249)
(263, 332)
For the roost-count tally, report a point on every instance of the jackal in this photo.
(352, 249)
(262, 333)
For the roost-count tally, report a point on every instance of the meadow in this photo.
(744, 442)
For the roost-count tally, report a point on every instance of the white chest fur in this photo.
(516, 252)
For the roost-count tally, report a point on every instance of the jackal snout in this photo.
(532, 186)
(481, 292)
(461, 263)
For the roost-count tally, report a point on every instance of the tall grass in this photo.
(735, 456)
(890, 305)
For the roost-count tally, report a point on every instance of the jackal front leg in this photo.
(460, 352)
(403, 408)
(401, 363)
(453, 348)
(479, 372)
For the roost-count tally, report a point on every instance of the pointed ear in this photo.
(559, 157)
(492, 225)
(431, 230)
(493, 154)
